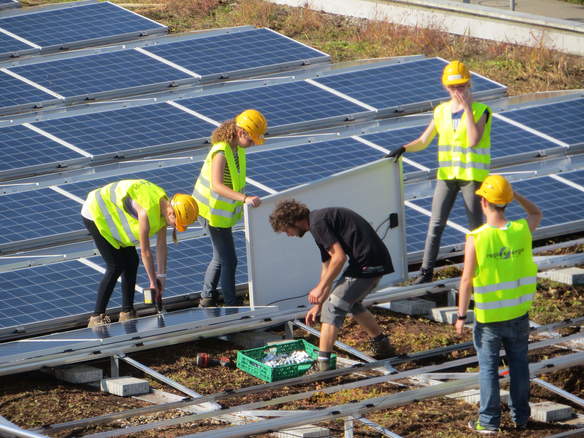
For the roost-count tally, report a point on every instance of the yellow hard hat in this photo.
(455, 73)
(496, 189)
(185, 209)
(254, 123)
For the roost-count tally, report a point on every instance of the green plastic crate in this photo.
(250, 361)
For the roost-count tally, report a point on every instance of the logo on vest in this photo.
(505, 253)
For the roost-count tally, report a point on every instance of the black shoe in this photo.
(425, 277)
(382, 349)
(520, 426)
(207, 302)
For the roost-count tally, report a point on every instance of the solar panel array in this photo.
(73, 25)
(319, 99)
(124, 70)
(7, 4)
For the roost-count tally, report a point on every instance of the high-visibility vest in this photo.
(456, 159)
(114, 223)
(220, 211)
(505, 279)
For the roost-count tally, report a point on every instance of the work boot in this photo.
(97, 320)
(126, 316)
(324, 365)
(381, 348)
(425, 276)
(208, 302)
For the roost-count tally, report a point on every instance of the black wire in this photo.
(285, 299)
(387, 229)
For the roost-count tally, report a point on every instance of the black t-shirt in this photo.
(368, 255)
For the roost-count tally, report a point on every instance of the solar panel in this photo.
(288, 167)
(88, 75)
(562, 120)
(399, 84)
(6, 4)
(22, 147)
(226, 53)
(136, 127)
(575, 177)
(281, 104)
(9, 44)
(43, 293)
(78, 25)
(35, 214)
(16, 92)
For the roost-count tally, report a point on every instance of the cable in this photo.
(387, 220)
(285, 299)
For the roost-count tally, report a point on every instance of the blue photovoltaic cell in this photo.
(281, 104)
(75, 24)
(129, 128)
(9, 44)
(23, 147)
(575, 177)
(47, 292)
(235, 51)
(284, 168)
(37, 213)
(398, 84)
(417, 226)
(99, 73)
(17, 92)
(66, 289)
(559, 120)
(559, 202)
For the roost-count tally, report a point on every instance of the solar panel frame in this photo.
(17, 24)
(9, 4)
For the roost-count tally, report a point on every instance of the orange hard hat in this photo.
(185, 209)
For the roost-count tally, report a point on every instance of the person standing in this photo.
(464, 141)
(120, 215)
(498, 265)
(340, 234)
(219, 191)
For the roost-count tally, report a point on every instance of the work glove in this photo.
(396, 153)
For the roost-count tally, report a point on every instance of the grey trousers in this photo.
(444, 197)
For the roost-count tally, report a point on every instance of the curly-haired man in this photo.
(339, 233)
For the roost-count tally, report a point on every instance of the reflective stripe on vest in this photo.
(109, 218)
(505, 280)
(220, 211)
(456, 159)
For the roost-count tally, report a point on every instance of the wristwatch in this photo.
(462, 318)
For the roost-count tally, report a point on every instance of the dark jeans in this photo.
(222, 265)
(442, 203)
(513, 335)
(119, 262)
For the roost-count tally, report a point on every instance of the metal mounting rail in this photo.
(289, 382)
(374, 404)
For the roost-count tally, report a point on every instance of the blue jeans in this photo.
(222, 265)
(513, 335)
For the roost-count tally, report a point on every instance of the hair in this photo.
(287, 213)
(226, 132)
(496, 207)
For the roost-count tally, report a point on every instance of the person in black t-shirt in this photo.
(339, 233)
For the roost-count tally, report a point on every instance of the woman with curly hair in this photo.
(219, 191)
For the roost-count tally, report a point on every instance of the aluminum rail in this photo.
(553, 388)
(370, 405)
(288, 398)
(15, 431)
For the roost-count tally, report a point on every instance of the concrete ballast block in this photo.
(306, 431)
(548, 411)
(412, 306)
(254, 339)
(572, 276)
(79, 374)
(125, 386)
(447, 315)
(474, 396)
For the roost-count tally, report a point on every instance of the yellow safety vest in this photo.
(505, 279)
(114, 223)
(456, 159)
(220, 211)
